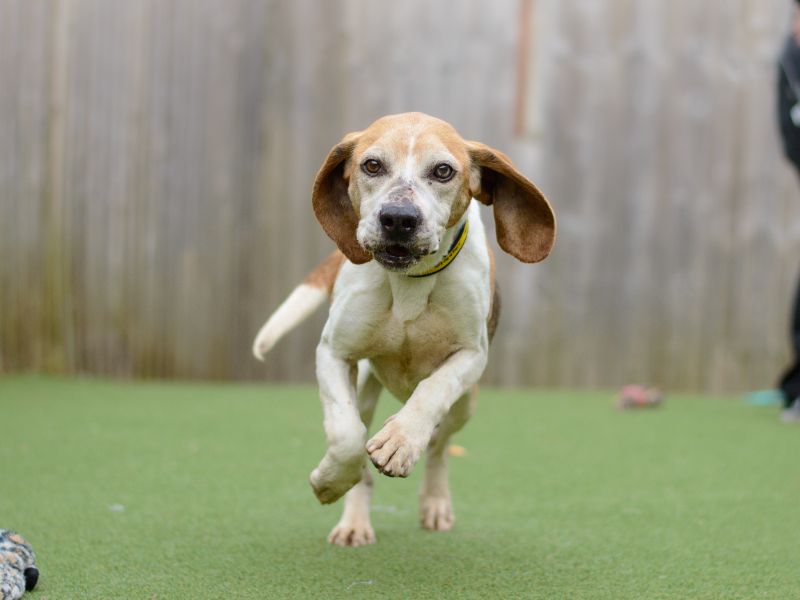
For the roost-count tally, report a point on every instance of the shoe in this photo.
(764, 398)
(791, 414)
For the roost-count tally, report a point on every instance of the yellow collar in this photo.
(458, 243)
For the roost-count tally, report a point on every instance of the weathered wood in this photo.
(156, 159)
(659, 147)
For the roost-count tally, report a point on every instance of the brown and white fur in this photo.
(393, 197)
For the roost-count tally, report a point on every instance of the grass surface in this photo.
(131, 491)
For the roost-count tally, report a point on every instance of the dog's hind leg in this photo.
(435, 504)
(355, 528)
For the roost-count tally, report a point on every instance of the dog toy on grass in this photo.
(638, 396)
(18, 572)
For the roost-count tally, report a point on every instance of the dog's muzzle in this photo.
(399, 223)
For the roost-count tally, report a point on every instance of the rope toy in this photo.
(18, 572)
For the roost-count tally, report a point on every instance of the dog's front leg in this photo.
(341, 467)
(395, 449)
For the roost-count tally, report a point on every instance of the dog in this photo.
(413, 301)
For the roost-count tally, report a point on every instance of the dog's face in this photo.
(391, 191)
(408, 181)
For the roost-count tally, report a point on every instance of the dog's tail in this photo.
(301, 303)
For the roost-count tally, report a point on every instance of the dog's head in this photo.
(391, 191)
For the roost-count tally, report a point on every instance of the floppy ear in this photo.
(332, 205)
(524, 222)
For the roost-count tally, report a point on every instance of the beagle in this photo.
(413, 301)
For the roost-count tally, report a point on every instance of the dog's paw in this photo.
(331, 480)
(330, 489)
(436, 513)
(395, 451)
(352, 534)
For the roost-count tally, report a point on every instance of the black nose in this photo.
(31, 575)
(399, 221)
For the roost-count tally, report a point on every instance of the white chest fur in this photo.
(410, 296)
(408, 326)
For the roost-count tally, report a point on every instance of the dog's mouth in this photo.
(396, 257)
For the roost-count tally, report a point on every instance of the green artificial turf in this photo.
(160, 490)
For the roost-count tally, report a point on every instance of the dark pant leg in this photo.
(790, 382)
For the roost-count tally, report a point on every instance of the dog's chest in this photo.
(409, 336)
(403, 353)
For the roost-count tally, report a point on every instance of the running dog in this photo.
(413, 301)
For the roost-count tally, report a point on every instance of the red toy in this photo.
(638, 396)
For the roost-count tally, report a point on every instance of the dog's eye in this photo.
(443, 172)
(372, 167)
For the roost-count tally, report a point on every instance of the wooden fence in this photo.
(156, 159)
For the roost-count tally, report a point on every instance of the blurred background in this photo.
(157, 156)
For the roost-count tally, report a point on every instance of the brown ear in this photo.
(332, 205)
(524, 222)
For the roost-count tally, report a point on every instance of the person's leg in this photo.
(790, 382)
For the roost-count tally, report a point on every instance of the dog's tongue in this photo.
(398, 251)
